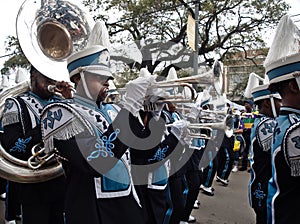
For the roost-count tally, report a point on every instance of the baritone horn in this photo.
(214, 78)
(48, 32)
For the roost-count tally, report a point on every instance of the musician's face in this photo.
(98, 86)
(39, 85)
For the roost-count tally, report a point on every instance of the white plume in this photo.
(144, 72)
(20, 76)
(253, 81)
(172, 75)
(285, 42)
(5, 81)
(99, 36)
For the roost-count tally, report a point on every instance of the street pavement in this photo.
(229, 205)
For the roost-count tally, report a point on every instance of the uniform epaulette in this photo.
(11, 112)
(61, 121)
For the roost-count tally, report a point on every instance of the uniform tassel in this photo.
(266, 146)
(10, 119)
(295, 168)
(67, 132)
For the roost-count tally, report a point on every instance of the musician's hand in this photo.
(152, 96)
(66, 89)
(195, 111)
(155, 93)
(136, 93)
(180, 130)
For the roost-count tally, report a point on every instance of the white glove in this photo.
(136, 92)
(195, 111)
(154, 94)
(180, 130)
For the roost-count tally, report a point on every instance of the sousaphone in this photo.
(49, 31)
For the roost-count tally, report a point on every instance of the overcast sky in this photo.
(9, 10)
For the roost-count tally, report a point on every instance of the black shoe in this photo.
(222, 181)
(196, 206)
(242, 168)
(192, 219)
(207, 190)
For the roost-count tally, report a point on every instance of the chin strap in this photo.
(297, 77)
(85, 88)
(273, 106)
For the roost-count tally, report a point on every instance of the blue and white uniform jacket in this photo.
(284, 186)
(21, 131)
(152, 162)
(21, 119)
(83, 135)
(260, 160)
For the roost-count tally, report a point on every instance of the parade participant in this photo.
(208, 160)
(40, 202)
(239, 142)
(225, 154)
(94, 146)
(247, 119)
(260, 149)
(177, 182)
(151, 183)
(282, 68)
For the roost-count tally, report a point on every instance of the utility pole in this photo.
(195, 62)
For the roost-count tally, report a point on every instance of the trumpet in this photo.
(212, 77)
(62, 89)
(204, 130)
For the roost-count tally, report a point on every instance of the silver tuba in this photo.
(48, 32)
(17, 170)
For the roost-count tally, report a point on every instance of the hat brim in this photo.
(95, 71)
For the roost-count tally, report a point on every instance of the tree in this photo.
(158, 26)
(17, 59)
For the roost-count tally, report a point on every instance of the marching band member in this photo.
(152, 181)
(40, 202)
(260, 149)
(282, 67)
(247, 119)
(225, 154)
(177, 182)
(94, 146)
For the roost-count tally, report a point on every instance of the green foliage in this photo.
(156, 26)
(224, 26)
(17, 57)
